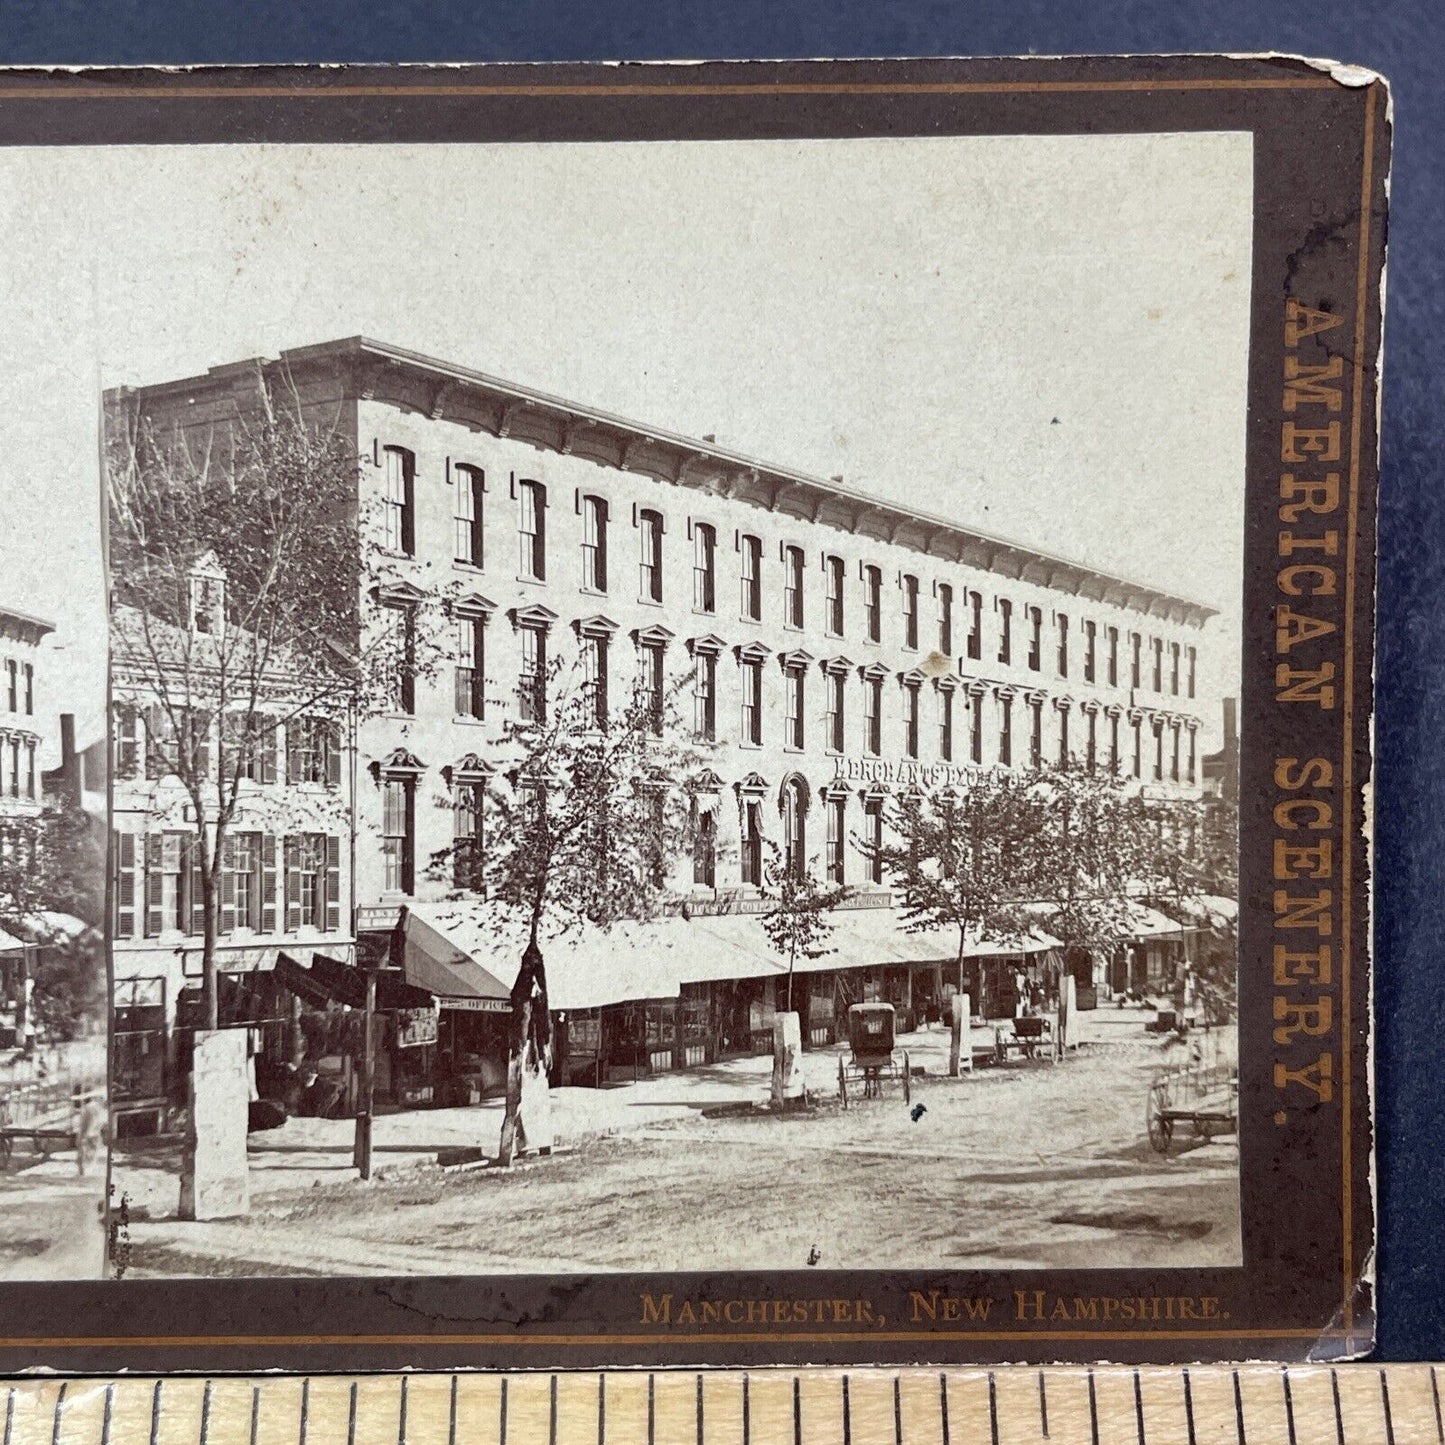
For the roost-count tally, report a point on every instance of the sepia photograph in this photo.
(671, 705)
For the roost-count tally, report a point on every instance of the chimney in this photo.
(65, 779)
(1231, 727)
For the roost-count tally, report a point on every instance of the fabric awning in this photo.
(1146, 922)
(330, 981)
(435, 957)
(10, 944)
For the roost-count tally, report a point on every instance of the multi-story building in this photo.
(835, 646)
(285, 901)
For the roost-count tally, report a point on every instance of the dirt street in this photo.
(1035, 1164)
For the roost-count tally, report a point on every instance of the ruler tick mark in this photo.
(9, 1413)
(401, 1416)
(1339, 1418)
(601, 1408)
(1289, 1406)
(897, 1413)
(651, 1409)
(350, 1418)
(699, 1411)
(1044, 1408)
(943, 1402)
(1385, 1401)
(1093, 1411)
(452, 1414)
(205, 1415)
(797, 1411)
(992, 1409)
(156, 1414)
(847, 1416)
(255, 1411)
(1189, 1409)
(551, 1412)
(105, 1419)
(502, 1421)
(1138, 1408)
(1435, 1395)
(747, 1421)
(1238, 1409)
(305, 1424)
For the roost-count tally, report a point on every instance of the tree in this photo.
(237, 584)
(953, 858)
(47, 866)
(797, 922)
(1084, 859)
(586, 815)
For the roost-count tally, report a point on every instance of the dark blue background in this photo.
(1402, 41)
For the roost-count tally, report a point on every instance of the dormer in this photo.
(207, 596)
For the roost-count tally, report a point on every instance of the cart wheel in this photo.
(907, 1079)
(1158, 1122)
(842, 1081)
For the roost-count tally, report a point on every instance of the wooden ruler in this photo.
(1251, 1405)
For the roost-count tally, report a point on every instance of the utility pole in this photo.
(361, 1153)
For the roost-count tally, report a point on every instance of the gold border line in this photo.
(1347, 769)
(680, 1340)
(119, 91)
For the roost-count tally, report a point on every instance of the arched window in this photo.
(594, 544)
(532, 530)
(649, 531)
(835, 596)
(793, 586)
(704, 567)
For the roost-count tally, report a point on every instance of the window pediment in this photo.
(836, 664)
(595, 626)
(469, 769)
(752, 652)
(707, 781)
(399, 594)
(473, 604)
(709, 645)
(873, 672)
(535, 616)
(754, 785)
(795, 660)
(912, 678)
(400, 762)
(652, 636)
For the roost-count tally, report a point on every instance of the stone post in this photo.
(960, 1047)
(214, 1181)
(787, 1060)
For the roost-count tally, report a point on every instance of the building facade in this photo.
(827, 647)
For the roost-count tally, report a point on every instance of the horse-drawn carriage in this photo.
(872, 1056)
(1196, 1086)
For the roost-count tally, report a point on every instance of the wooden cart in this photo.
(872, 1057)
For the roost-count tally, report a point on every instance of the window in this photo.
(1036, 732)
(243, 882)
(1113, 657)
(945, 619)
(30, 767)
(208, 603)
(1036, 638)
(313, 751)
(123, 850)
(397, 499)
(704, 849)
(12, 683)
(471, 690)
(975, 626)
(649, 555)
(752, 580)
(873, 716)
(594, 677)
(1138, 726)
(751, 844)
(594, 544)
(792, 586)
(704, 696)
(1156, 644)
(833, 568)
(128, 739)
(910, 719)
(1063, 737)
(1091, 639)
(752, 701)
(945, 724)
(795, 827)
(833, 730)
(468, 837)
(1006, 730)
(793, 686)
(704, 567)
(837, 823)
(1063, 645)
(1174, 752)
(1091, 747)
(402, 643)
(975, 727)
(650, 685)
(29, 671)
(13, 770)
(170, 879)
(162, 752)
(532, 682)
(1193, 759)
(1114, 742)
(873, 838)
(1136, 644)
(1192, 662)
(1174, 668)
(1158, 751)
(313, 893)
(873, 604)
(910, 610)
(1005, 630)
(532, 531)
(469, 486)
(398, 835)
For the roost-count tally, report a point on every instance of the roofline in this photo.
(354, 347)
(38, 625)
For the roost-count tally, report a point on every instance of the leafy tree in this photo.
(587, 814)
(953, 858)
(797, 922)
(1083, 861)
(48, 865)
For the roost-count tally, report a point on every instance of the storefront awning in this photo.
(1146, 922)
(329, 981)
(435, 958)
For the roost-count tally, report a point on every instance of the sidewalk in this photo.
(307, 1152)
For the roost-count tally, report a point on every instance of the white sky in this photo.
(1044, 337)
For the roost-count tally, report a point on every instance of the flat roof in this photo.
(1062, 569)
